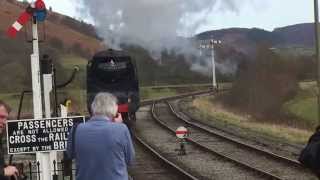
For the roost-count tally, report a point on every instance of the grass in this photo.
(149, 93)
(68, 61)
(77, 96)
(304, 106)
(210, 110)
(305, 109)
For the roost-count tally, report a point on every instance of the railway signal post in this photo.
(36, 11)
(210, 44)
(43, 157)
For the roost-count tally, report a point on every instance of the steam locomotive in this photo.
(115, 72)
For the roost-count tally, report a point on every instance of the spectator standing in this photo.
(5, 171)
(103, 147)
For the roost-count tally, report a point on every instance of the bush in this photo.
(264, 85)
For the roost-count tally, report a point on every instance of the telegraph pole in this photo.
(317, 35)
(211, 45)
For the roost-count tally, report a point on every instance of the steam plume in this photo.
(153, 24)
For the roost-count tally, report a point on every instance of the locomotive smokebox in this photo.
(115, 72)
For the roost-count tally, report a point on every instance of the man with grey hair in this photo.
(102, 146)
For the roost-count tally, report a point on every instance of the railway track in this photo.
(200, 162)
(263, 161)
(151, 165)
(271, 144)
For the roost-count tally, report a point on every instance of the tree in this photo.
(264, 84)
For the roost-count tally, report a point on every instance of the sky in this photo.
(268, 14)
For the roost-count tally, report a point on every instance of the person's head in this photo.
(4, 113)
(104, 104)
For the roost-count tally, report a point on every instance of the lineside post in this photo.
(317, 35)
(43, 158)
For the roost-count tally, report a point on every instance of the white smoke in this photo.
(153, 24)
(226, 67)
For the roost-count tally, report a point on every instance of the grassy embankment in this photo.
(303, 107)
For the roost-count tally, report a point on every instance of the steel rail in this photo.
(182, 172)
(242, 144)
(244, 165)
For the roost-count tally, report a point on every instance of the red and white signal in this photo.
(181, 132)
(33, 10)
(18, 24)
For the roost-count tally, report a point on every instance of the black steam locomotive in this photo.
(115, 72)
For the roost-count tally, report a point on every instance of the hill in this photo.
(70, 42)
(57, 26)
(245, 40)
(299, 35)
(61, 35)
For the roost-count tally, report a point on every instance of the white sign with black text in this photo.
(39, 135)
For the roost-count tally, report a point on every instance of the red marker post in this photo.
(181, 134)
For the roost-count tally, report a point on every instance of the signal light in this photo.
(40, 10)
(41, 15)
(39, 5)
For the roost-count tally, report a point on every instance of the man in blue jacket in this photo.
(103, 148)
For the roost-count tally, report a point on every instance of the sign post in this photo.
(181, 134)
(46, 71)
(317, 46)
(39, 135)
